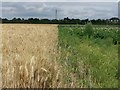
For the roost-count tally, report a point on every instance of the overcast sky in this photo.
(78, 9)
(59, 0)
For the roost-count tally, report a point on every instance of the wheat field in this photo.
(28, 56)
(0, 55)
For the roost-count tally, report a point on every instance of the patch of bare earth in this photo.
(29, 56)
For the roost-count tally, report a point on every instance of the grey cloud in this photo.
(65, 9)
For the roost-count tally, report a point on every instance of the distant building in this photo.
(114, 20)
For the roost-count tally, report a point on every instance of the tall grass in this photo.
(93, 60)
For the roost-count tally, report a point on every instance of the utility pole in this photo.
(56, 14)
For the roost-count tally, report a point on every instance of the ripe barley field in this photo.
(29, 55)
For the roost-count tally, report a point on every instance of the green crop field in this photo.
(90, 55)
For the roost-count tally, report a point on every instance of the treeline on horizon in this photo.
(111, 21)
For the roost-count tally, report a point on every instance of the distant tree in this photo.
(0, 20)
(113, 21)
(5, 20)
(15, 20)
(86, 20)
(93, 21)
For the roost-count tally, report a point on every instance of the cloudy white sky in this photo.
(66, 8)
(59, 0)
